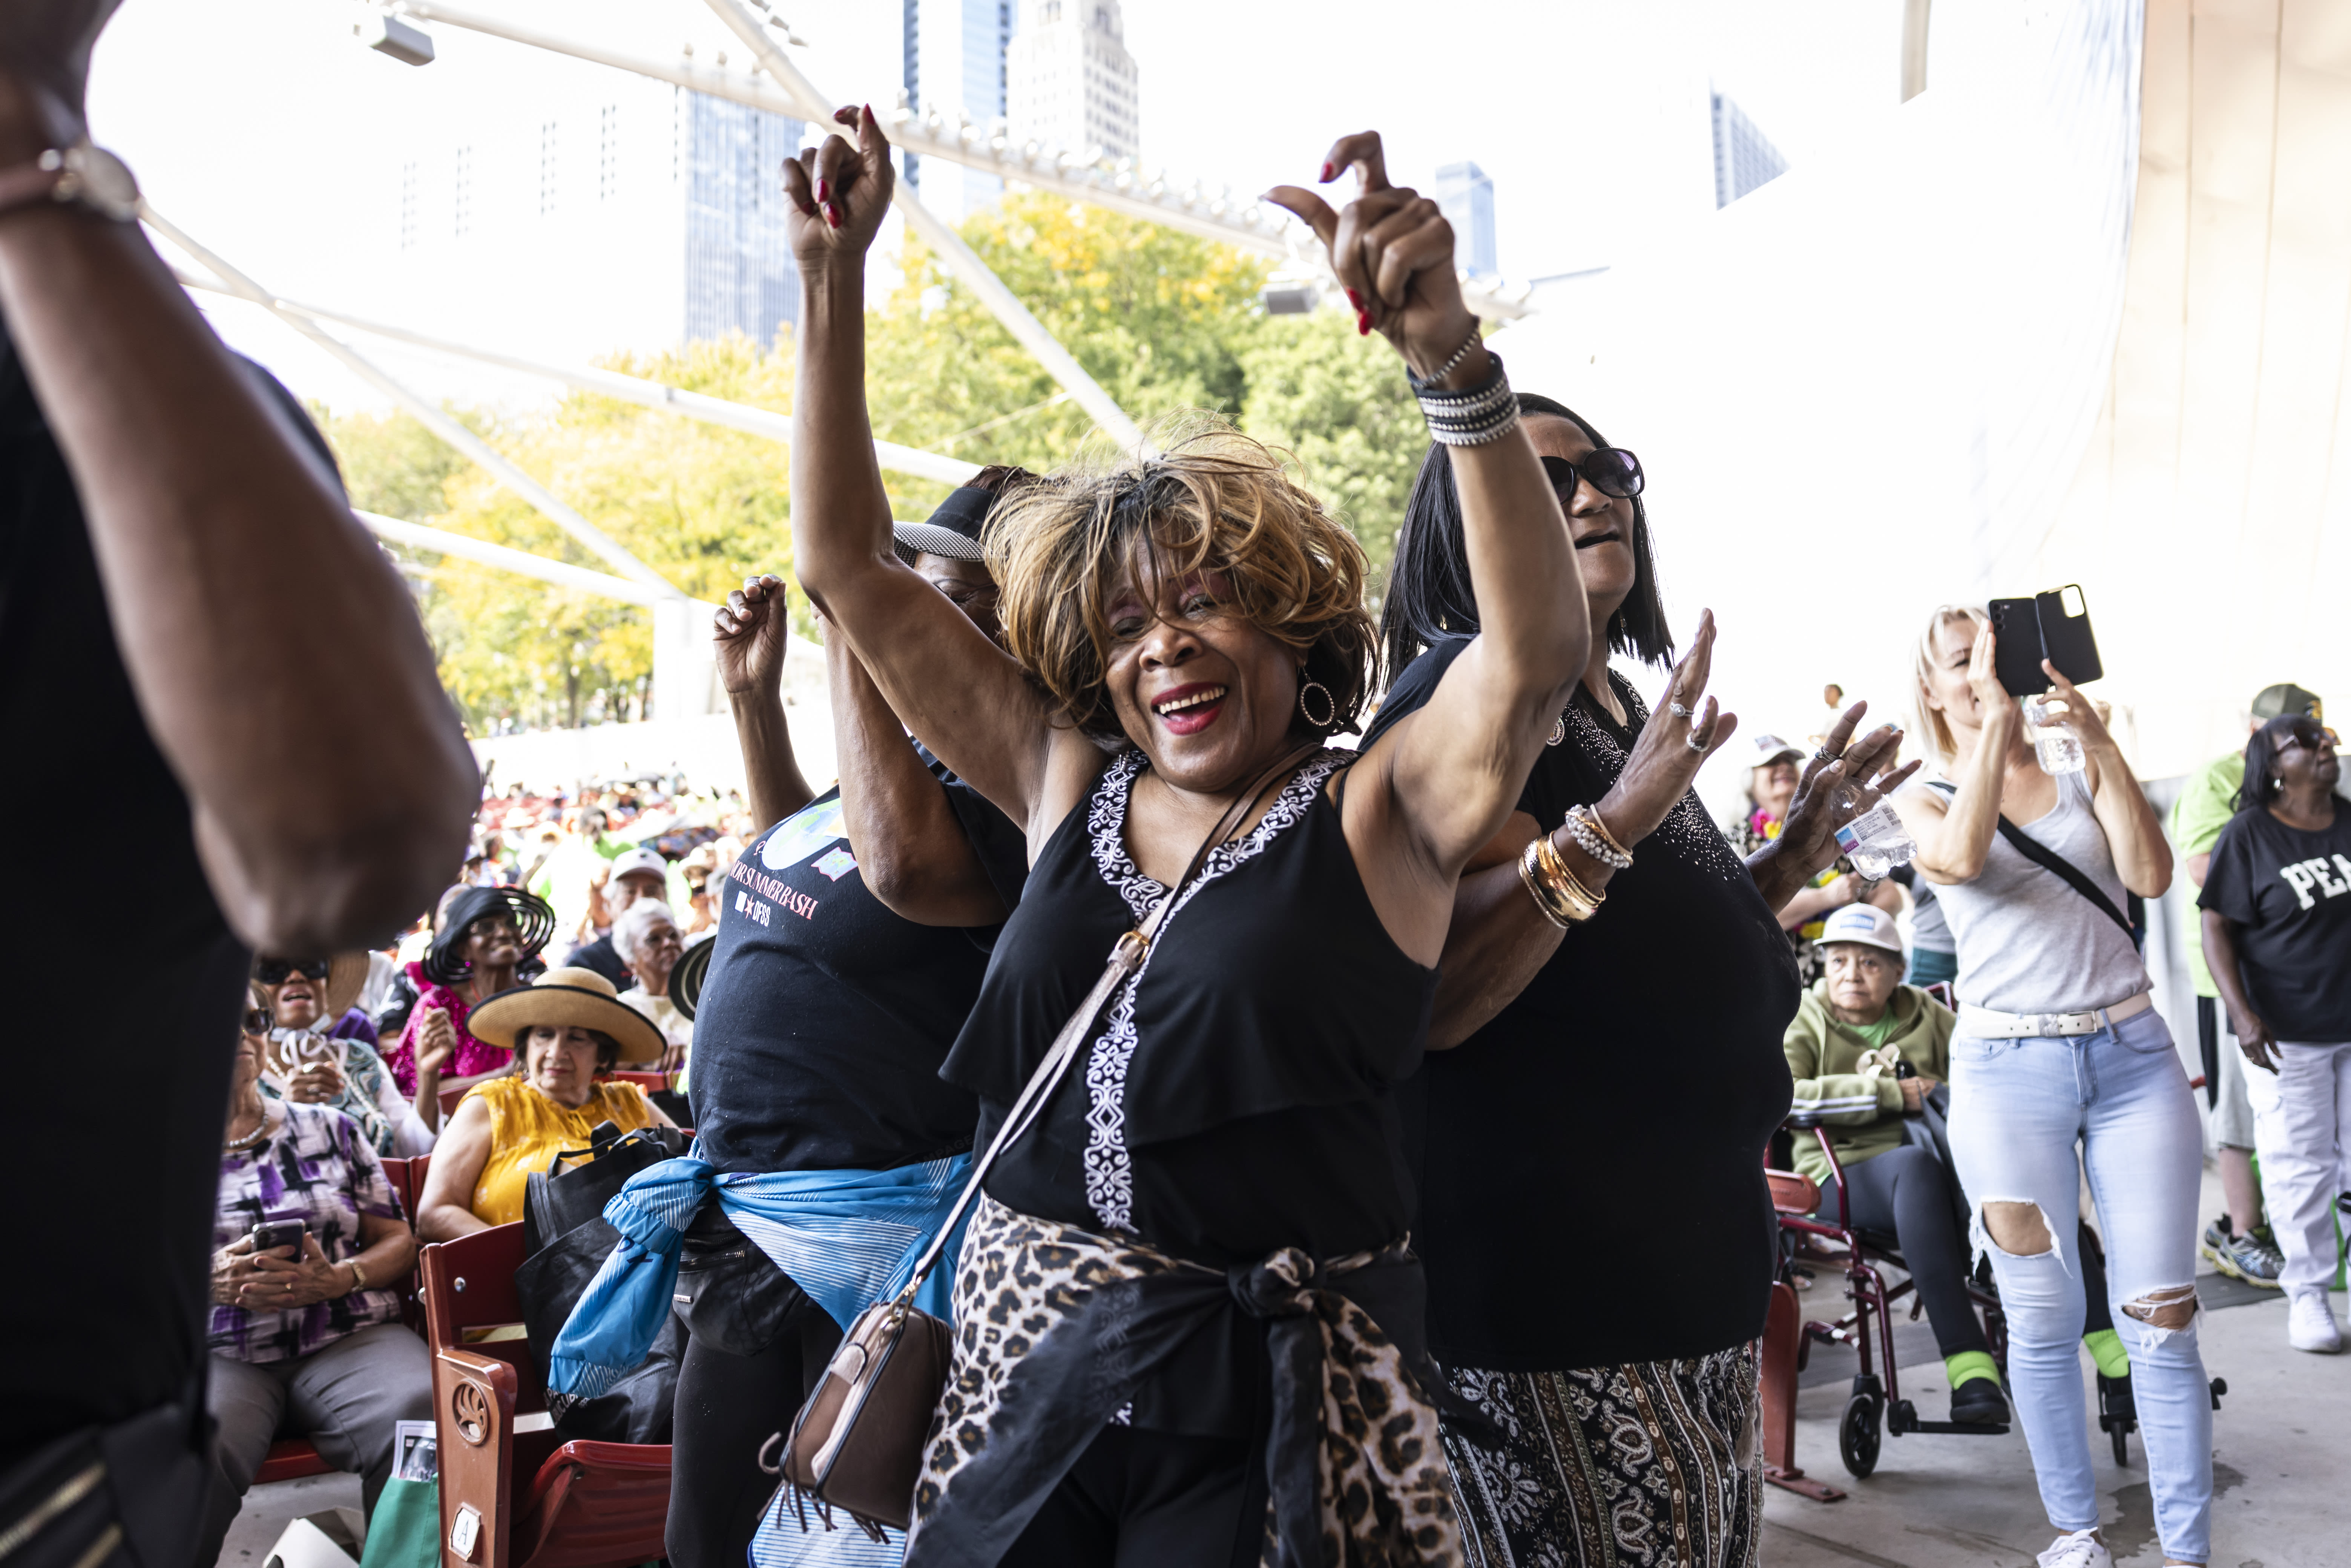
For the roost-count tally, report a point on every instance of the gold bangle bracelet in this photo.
(1577, 902)
(359, 1275)
(1528, 875)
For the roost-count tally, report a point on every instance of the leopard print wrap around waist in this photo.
(1056, 1327)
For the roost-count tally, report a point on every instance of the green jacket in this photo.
(1837, 1073)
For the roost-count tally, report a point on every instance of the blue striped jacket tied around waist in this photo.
(847, 1237)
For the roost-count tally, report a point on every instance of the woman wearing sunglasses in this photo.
(302, 1062)
(2277, 937)
(1645, 1044)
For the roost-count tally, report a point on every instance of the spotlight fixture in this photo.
(404, 41)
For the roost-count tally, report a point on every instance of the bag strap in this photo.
(1125, 957)
(2049, 859)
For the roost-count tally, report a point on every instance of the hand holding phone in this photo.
(2055, 626)
(275, 1233)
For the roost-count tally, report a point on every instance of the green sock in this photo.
(1969, 1366)
(2106, 1348)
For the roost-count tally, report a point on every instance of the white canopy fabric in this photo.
(1949, 365)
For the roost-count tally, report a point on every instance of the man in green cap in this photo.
(2239, 1243)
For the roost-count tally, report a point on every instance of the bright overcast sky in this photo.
(264, 130)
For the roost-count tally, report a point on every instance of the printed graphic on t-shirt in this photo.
(2317, 874)
(816, 827)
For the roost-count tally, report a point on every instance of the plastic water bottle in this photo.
(1876, 841)
(2055, 744)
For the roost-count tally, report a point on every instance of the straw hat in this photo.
(571, 997)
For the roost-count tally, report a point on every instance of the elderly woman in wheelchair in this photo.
(1867, 1053)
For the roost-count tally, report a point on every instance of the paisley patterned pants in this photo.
(1654, 1464)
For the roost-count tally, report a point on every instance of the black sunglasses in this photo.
(275, 971)
(257, 1021)
(1611, 470)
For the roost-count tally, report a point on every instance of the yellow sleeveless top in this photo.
(527, 1129)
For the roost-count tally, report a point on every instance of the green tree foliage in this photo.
(1161, 320)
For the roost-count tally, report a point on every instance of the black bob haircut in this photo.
(1428, 592)
(2263, 781)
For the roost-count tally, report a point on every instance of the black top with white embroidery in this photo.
(2289, 891)
(1238, 1096)
(1641, 1066)
(824, 1019)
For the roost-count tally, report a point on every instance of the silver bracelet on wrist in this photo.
(1477, 336)
(1593, 839)
(1474, 416)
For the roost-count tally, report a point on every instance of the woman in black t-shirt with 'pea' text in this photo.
(2277, 937)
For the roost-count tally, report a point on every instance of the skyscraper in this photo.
(1465, 195)
(1744, 157)
(739, 276)
(1071, 82)
(956, 63)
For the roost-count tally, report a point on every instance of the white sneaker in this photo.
(2310, 1323)
(2082, 1549)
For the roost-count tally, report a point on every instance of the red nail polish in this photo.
(1356, 300)
(1327, 172)
(1363, 323)
(823, 189)
(832, 216)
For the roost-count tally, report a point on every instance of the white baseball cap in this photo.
(640, 859)
(1862, 922)
(1771, 749)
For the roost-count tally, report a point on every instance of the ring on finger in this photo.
(1824, 755)
(1680, 710)
(1694, 741)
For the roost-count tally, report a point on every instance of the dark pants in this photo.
(1150, 1499)
(756, 1348)
(1908, 1192)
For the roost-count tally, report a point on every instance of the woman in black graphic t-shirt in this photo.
(1643, 1049)
(853, 934)
(2277, 937)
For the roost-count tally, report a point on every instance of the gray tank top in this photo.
(2028, 943)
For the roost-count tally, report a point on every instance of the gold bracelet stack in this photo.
(1558, 892)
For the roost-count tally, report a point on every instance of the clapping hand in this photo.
(437, 1042)
(750, 631)
(319, 1083)
(1823, 803)
(1686, 729)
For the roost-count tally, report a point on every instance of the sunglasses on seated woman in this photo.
(257, 1021)
(275, 971)
(1611, 470)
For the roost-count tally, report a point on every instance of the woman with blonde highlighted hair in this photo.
(1187, 1291)
(2058, 1045)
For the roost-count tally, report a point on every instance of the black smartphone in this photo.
(2065, 636)
(2016, 652)
(272, 1233)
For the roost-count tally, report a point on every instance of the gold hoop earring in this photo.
(1329, 704)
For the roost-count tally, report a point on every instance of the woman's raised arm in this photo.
(963, 694)
(1455, 769)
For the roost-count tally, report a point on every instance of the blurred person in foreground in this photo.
(2058, 1046)
(647, 940)
(2277, 934)
(306, 1338)
(301, 1063)
(2240, 1243)
(1856, 1030)
(180, 580)
(566, 1029)
(1772, 766)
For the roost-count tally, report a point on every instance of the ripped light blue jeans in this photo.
(2018, 1106)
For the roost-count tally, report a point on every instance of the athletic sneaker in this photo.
(2082, 1549)
(2310, 1323)
(2252, 1255)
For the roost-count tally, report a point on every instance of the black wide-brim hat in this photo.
(444, 961)
(685, 981)
(953, 530)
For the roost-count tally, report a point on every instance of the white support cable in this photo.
(1006, 305)
(563, 574)
(1191, 206)
(639, 390)
(430, 416)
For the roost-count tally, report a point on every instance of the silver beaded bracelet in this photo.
(1474, 416)
(1594, 840)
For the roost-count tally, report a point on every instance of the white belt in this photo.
(1991, 1023)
